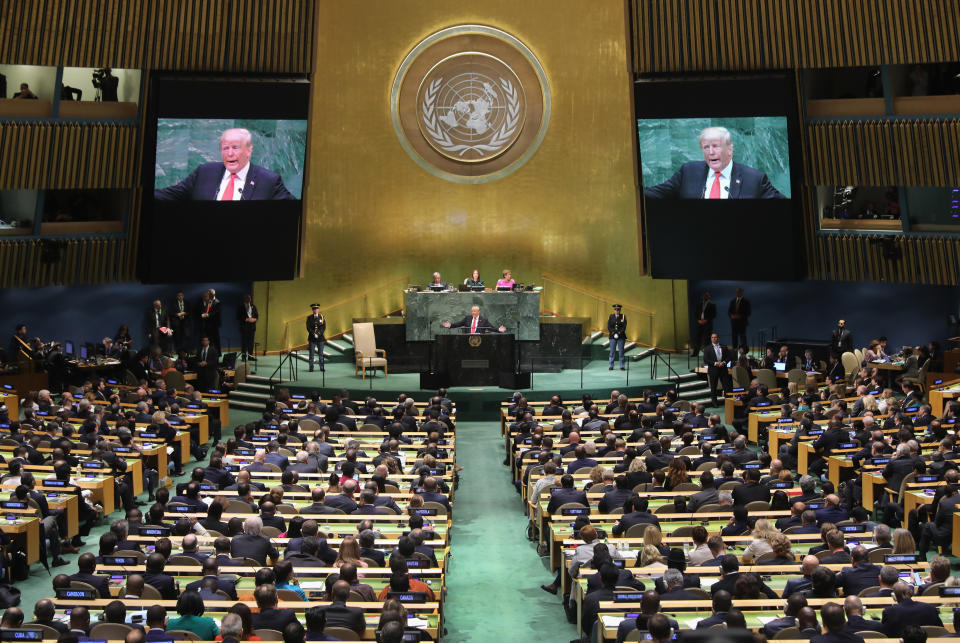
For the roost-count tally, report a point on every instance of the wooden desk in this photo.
(26, 533)
(12, 400)
(870, 480)
(941, 395)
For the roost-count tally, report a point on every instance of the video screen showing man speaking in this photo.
(229, 160)
(701, 158)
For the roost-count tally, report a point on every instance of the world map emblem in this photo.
(470, 103)
(472, 107)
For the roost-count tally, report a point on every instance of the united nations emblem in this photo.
(470, 103)
(475, 340)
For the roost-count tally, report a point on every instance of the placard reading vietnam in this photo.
(715, 158)
(229, 159)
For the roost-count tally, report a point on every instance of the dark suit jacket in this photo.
(856, 623)
(255, 547)
(896, 617)
(728, 581)
(614, 499)
(101, 583)
(795, 585)
(634, 518)
(710, 358)
(342, 502)
(203, 184)
(318, 508)
(59, 626)
(705, 497)
(749, 492)
(375, 555)
(689, 182)
(483, 324)
(163, 584)
(228, 588)
(855, 579)
(274, 619)
(339, 614)
(744, 311)
(563, 496)
(843, 636)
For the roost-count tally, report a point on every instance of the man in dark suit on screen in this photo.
(475, 323)
(715, 358)
(717, 176)
(232, 179)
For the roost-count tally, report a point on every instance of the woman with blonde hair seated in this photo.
(903, 542)
(651, 558)
(653, 537)
(763, 532)
(349, 553)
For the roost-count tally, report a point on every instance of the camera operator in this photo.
(106, 84)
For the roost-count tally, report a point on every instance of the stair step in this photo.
(691, 386)
(629, 346)
(249, 395)
(336, 345)
(247, 406)
(258, 379)
(683, 377)
(253, 387)
(347, 337)
(594, 335)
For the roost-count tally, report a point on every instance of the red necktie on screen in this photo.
(473, 326)
(228, 192)
(714, 191)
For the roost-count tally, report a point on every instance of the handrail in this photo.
(597, 307)
(658, 357)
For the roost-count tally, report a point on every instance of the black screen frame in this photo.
(750, 228)
(213, 241)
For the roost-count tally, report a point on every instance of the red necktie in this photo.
(228, 192)
(473, 326)
(715, 190)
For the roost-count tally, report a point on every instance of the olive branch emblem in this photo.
(500, 138)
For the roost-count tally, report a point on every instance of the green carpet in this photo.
(495, 573)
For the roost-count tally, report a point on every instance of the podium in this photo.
(474, 360)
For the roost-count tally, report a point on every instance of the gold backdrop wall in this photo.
(374, 217)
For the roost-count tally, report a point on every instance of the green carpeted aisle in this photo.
(495, 575)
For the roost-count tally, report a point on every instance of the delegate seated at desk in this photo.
(475, 322)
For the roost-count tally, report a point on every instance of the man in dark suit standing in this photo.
(158, 318)
(179, 313)
(704, 328)
(316, 326)
(841, 341)
(617, 328)
(474, 322)
(233, 178)
(247, 316)
(208, 363)
(210, 317)
(739, 313)
(715, 358)
(717, 176)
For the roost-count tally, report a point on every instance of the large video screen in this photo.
(224, 169)
(718, 173)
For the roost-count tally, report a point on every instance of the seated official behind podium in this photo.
(506, 280)
(436, 283)
(475, 322)
(474, 280)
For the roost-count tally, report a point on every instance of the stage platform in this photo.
(472, 401)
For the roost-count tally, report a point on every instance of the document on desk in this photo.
(417, 622)
(766, 619)
(692, 622)
(611, 621)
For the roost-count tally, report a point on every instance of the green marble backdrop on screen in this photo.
(183, 144)
(758, 141)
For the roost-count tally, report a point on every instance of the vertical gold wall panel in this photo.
(372, 213)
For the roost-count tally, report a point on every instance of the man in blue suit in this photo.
(233, 179)
(717, 176)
